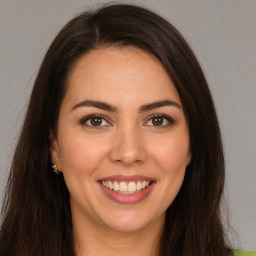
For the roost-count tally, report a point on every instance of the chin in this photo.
(128, 223)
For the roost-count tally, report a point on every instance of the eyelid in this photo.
(88, 117)
(167, 117)
(161, 115)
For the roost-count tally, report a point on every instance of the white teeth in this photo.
(124, 187)
(110, 185)
(139, 187)
(132, 187)
(116, 186)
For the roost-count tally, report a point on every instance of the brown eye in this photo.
(157, 121)
(96, 121)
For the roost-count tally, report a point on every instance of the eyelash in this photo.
(169, 120)
(90, 117)
(150, 118)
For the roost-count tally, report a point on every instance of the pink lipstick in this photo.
(127, 189)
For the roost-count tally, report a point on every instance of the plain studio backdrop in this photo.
(223, 37)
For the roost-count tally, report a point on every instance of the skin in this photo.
(127, 142)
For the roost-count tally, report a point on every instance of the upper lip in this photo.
(127, 178)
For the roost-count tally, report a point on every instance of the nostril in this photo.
(127, 156)
(128, 147)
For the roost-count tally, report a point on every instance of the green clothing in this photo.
(243, 253)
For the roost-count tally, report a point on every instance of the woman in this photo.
(120, 151)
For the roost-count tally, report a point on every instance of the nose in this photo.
(128, 147)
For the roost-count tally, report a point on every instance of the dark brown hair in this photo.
(36, 217)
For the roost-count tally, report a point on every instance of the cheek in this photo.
(172, 154)
(170, 158)
(81, 155)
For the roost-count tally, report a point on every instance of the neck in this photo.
(94, 239)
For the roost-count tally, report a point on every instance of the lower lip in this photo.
(125, 198)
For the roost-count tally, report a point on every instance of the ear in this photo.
(54, 151)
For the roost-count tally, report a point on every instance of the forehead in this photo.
(128, 73)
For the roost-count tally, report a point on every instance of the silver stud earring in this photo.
(55, 169)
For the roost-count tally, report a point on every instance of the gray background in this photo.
(223, 36)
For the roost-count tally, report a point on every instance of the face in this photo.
(122, 141)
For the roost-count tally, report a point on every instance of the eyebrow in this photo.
(159, 104)
(108, 107)
(96, 104)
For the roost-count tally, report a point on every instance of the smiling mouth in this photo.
(124, 187)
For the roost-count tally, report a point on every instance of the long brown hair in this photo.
(36, 217)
